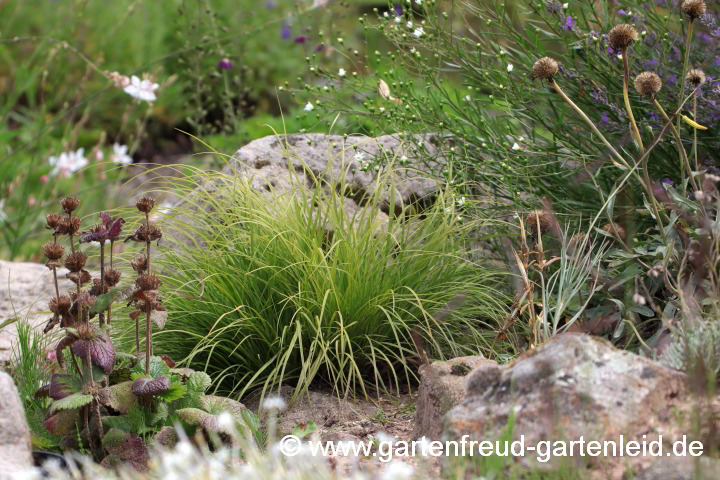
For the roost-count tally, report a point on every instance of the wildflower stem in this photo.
(148, 324)
(101, 315)
(686, 62)
(620, 162)
(678, 140)
(109, 313)
(626, 99)
(694, 147)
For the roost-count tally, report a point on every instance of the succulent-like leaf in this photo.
(76, 400)
(118, 397)
(102, 351)
(62, 422)
(146, 386)
(62, 386)
(199, 382)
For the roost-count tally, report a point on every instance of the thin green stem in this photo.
(686, 62)
(694, 147)
(678, 140)
(626, 99)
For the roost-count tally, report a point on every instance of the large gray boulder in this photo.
(25, 289)
(15, 443)
(281, 163)
(581, 386)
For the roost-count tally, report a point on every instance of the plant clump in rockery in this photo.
(106, 402)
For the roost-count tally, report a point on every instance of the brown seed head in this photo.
(53, 251)
(53, 220)
(145, 204)
(544, 69)
(615, 230)
(146, 233)
(69, 204)
(112, 277)
(148, 281)
(533, 219)
(695, 77)
(98, 288)
(694, 8)
(139, 263)
(622, 36)
(68, 225)
(76, 261)
(60, 305)
(648, 84)
(577, 240)
(85, 331)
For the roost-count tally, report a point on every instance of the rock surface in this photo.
(442, 386)
(15, 443)
(25, 289)
(579, 386)
(280, 163)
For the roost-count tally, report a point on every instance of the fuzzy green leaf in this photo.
(102, 302)
(199, 382)
(113, 437)
(176, 392)
(158, 368)
(76, 400)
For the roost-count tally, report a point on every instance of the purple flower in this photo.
(569, 24)
(672, 79)
(622, 12)
(668, 181)
(301, 39)
(225, 64)
(399, 10)
(650, 64)
(320, 47)
(270, 4)
(286, 31)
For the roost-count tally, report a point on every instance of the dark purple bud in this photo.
(320, 47)
(225, 64)
(399, 10)
(668, 181)
(301, 39)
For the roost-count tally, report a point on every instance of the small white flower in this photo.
(566, 6)
(447, 210)
(360, 157)
(510, 67)
(619, 56)
(468, 98)
(460, 201)
(309, 107)
(409, 24)
(142, 89)
(68, 162)
(639, 299)
(120, 155)
(274, 403)
(341, 72)
(386, 14)
(398, 19)
(516, 146)
(225, 422)
(419, 32)
(382, 109)
(397, 470)
(418, 2)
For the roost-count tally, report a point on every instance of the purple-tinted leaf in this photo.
(102, 352)
(61, 423)
(62, 344)
(43, 392)
(62, 386)
(110, 233)
(105, 218)
(146, 386)
(132, 451)
(115, 229)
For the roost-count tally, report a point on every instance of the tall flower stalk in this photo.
(620, 38)
(695, 78)
(145, 296)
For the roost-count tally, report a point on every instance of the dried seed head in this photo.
(53, 251)
(98, 288)
(85, 331)
(622, 36)
(544, 69)
(69, 204)
(146, 233)
(139, 263)
(695, 77)
(60, 305)
(615, 230)
(148, 281)
(694, 8)
(68, 225)
(533, 219)
(112, 277)
(145, 204)
(76, 261)
(53, 220)
(648, 84)
(576, 241)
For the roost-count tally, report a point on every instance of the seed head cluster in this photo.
(148, 281)
(76, 261)
(69, 204)
(544, 69)
(695, 77)
(648, 84)
(53, 251)
(622, 36)
(145, 204)
(535, 218)
(694, 8)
